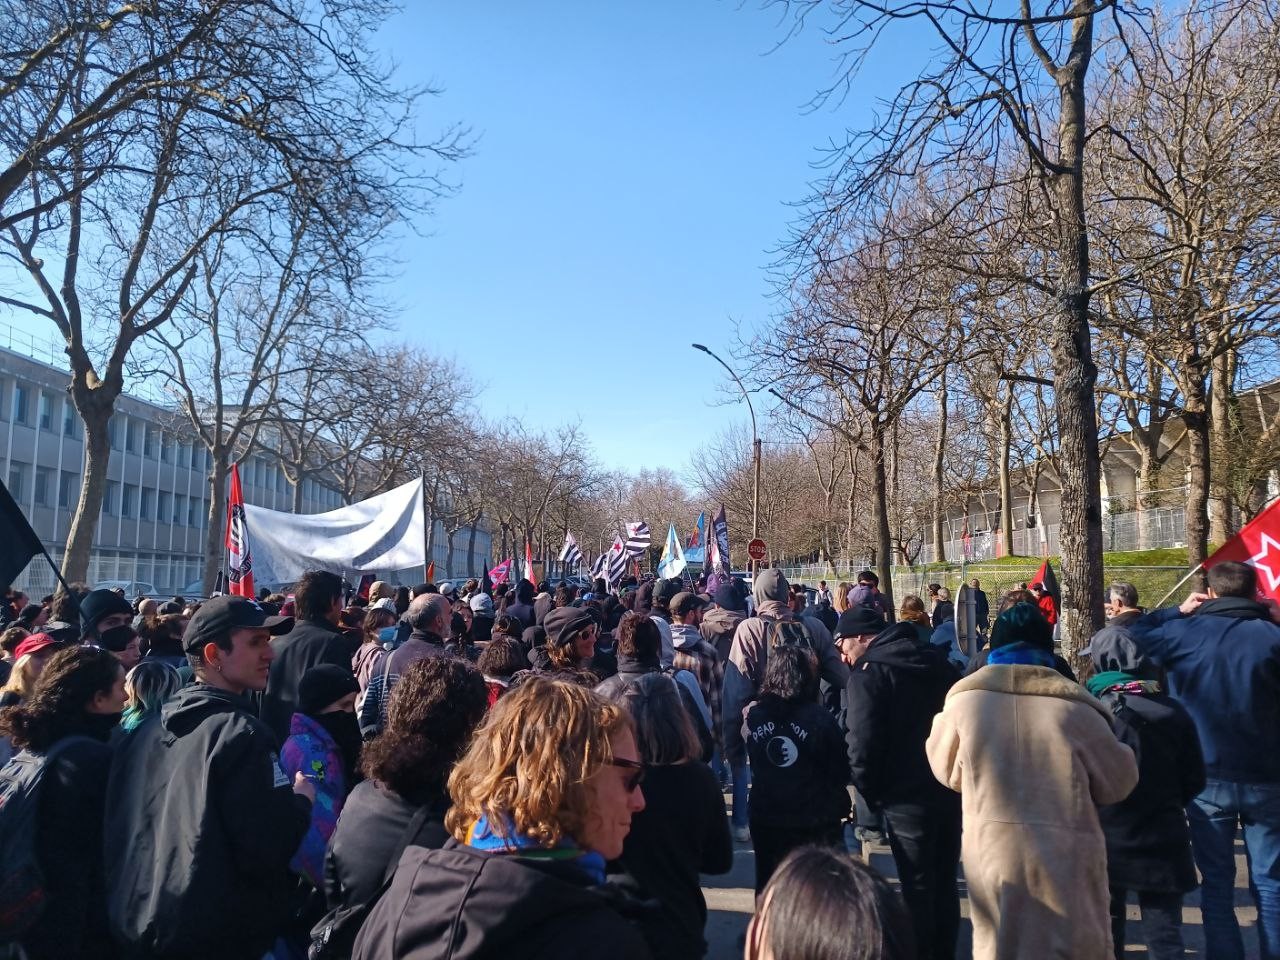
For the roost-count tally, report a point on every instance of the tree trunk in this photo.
(852, 505)
(471, 546)
(1146, 500)
(215, 534)
(1003, 473)
(95, 413)
(939, 548)
(880, 507)
(297, 495)
(1196, 417)
(1074, 372)
(1222, 419)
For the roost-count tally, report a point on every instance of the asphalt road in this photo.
(731, 899)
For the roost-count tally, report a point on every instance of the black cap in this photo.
(664, 591)
(729, 597)
(859, 622)
(216, 619)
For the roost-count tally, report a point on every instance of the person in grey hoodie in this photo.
(773, 623)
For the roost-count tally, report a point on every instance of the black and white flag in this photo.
(637, 538)
(570, 555)
(617, 562)
(599, 567)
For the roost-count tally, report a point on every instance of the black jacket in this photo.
(201, 824)
(630, 670)
(893, 693)
(799, 770)
(1148, 843)
(523, 611)
(309, 644)
(372, 824)
(457, 903)
(681, 832)
(72, 794)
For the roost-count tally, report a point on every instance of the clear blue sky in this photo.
(633, 172)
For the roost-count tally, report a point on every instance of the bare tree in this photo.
(185, 126)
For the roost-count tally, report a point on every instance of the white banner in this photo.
(381, 534)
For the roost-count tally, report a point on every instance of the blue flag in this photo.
(673, 562)
(695, 548)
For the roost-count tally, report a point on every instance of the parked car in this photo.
(131, 588)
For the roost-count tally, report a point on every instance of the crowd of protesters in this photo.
(462, 771)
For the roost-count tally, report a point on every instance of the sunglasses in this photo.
(637, 776)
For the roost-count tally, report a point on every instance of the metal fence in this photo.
(1152, 583)
(1153, 529)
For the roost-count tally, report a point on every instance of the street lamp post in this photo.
(755, 444)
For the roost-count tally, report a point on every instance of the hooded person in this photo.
(209, 879)
(1148, 841)
(106, 620)
(772, 624)
(543, 602)
(523, 606)
(720, 621)
(897, 684)
(1032, 756)
(324, 746)
(482, 617)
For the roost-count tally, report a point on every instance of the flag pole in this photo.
(1196, 569)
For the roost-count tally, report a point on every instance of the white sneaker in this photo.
(742, 834)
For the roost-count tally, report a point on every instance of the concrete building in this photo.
(156, 505)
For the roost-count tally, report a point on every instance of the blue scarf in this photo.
(482, 836)
(1021, 653)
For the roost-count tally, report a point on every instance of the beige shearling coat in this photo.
(1033, 756)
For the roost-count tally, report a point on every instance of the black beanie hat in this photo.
(563, 624)
(98, 604)
(324, 685)
(859, 622)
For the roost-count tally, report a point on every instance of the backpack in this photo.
(22, 889)
(793, 633)
(334, 936)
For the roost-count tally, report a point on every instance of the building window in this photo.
(69, 419)
(129, 501)
(46, 411)
(113, 431)
(43, 476)
(145, 511)
(179, 508)
(109, 497)
(17, 478)
(67, 492)
(21, 402)
(132, 429)
(150, 436)
(191, 512)
(164, 449)
(164, 508)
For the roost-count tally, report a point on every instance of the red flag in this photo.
(1257, 544)
(239, 557)
(431, 571)
(528, 563)
(1051, 602)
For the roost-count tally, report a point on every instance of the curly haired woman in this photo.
(541, 800)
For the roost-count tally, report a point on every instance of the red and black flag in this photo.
(239, 557)
(1051, 599)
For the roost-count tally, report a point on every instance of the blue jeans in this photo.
(741, 773)
(1213, 817)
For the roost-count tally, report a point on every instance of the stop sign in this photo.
(756, 549)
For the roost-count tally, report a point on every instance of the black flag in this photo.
(21, 542)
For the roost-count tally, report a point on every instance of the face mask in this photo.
(116, 639)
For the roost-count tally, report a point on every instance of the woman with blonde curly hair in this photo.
(541, 800)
